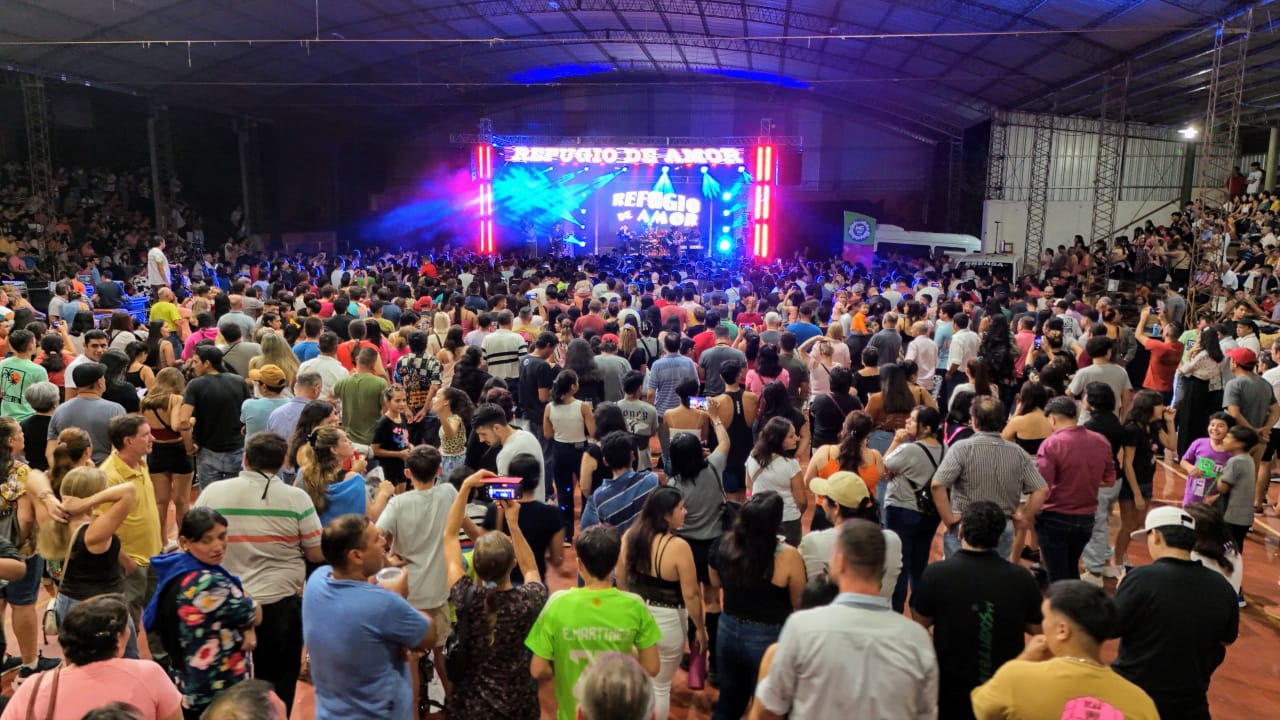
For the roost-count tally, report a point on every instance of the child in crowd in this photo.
(390, 443)
(1233, 493)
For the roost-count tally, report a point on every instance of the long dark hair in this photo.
(768, 364)
(1212, 538)
(561, 386)
(651, 523)
(747, 550)
(895, 390)
(1142, 407)
(687, 459)
(775, 402)
(313, 413)
(857, 427)
(53, 360)
(579, 358)
(154, 329)
(770, 440)
(981, 379)
(1209, 344)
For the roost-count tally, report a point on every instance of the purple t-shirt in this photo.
(1210, 461)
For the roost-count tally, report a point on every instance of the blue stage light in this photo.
(726, 213)
(704, 169)
(666, 169)
(725, 245)
(727, 197)
(742, 168)
(724, 229)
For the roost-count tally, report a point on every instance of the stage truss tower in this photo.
(1219, 146)
(1109, 164)
(1038, 195)
(39, 156)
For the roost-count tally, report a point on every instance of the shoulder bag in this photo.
(728, 508)
(49, 622)
(53, 696)
(924, 493)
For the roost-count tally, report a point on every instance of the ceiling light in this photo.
(1189, 132)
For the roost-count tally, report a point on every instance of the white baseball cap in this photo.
(1166, 516)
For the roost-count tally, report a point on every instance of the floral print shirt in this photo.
(212, 611)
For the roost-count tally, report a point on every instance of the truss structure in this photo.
(1109, 165)
(1038, 197)
(160, 139)
(996, 153)
(1221, 136)
(35, 107)
(955, 182)
(250, 145)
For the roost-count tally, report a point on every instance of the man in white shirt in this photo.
(158, 272)
(964, 347)
(922, 350)
(95, 346)
(326, 363)
(493, 428)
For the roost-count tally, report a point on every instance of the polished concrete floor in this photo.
(1245, 687)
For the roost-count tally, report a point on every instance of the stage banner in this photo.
(859, 238)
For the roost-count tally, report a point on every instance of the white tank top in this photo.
(567, 422)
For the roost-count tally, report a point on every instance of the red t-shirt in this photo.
(347, 350)
(702, 342)
(589, 322)
(1165, 357)
(749, 318)
(675, 311)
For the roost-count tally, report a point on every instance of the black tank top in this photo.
(1031, 446)
(740, 439)
(655, 590)
(87, 574)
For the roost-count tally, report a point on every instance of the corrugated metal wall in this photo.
(1152, 168)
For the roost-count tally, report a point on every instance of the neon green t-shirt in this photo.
(168, 312)
(577, 624)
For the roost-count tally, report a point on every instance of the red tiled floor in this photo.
(1244, 688)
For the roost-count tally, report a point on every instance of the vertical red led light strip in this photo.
(762, 201)
(483, 175)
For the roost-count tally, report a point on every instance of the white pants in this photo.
(673, 624)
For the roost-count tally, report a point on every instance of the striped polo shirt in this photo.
(268, 525)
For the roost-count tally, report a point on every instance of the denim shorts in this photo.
(25, 591)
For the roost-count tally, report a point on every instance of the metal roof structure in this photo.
(933, 67)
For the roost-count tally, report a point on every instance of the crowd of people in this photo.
(376, 461)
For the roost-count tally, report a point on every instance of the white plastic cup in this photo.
(388, 576)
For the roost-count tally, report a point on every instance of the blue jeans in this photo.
(916, 531)
(214, 466)
(951, 541)
(740, 646)
(63, 604)
(1062, 540)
